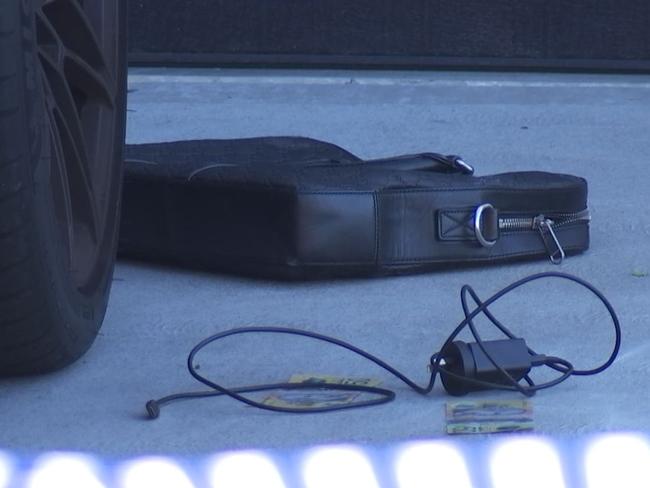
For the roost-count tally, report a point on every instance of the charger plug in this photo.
(467, 361)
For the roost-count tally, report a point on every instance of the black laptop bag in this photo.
(289, 207)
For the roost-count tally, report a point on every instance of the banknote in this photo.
(496, 427)
(318, 398)
(489, 416)
(332, 380)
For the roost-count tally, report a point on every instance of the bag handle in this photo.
(424, 162)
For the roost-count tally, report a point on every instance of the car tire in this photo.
(62, 123)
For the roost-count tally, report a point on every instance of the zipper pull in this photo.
(555, 251)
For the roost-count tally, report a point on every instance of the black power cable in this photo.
(488, 358)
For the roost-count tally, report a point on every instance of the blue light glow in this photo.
(427, 464)
(530, 462)
(342, 466)
(156, 472)
(248, 469)
(618, 460)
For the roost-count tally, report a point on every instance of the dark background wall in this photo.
(563, 34)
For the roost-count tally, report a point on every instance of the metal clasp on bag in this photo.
(463, 166)
(478, 215)
(555, 250)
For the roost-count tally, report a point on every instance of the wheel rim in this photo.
(78, 51)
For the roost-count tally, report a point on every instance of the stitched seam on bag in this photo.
(483, 258)
(280, 263)
(289, 188)
(445, 260)
(283, 264)
(459, 225)
(477, 188)
(236, 185)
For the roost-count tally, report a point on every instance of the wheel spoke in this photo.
(77, 71)
(62, 96)
(80, 51)
(63, 197)
(48, 39)
(85, 206)
(72, 142)
(81, 74)
(74, 31)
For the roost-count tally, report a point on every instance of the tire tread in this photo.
(21, 312)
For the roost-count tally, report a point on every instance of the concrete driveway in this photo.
(595, 126)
